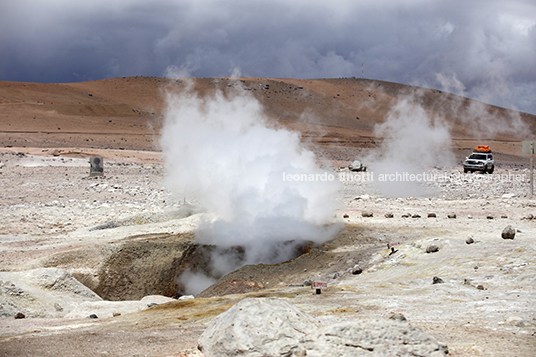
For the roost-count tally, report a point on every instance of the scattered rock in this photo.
(443, 347)
(508, 233)
(367, 213)
(480, 287)
(308, 282)
(389, 215)
(469, 216)
(116, 314)
(504, 216)
(416, 216)
(398, 317)
(489, 216)
(58, 307)
(432, 248)
(20, 315)
(406, 215)
(516, 321)
(357, 166)
(93, 316)
(451, 215)
(437, 280)
(187, 297)
(335, 276)
(529, 217)
(469, 240)
(432, 215)
(345, 216)
(356, 270)
(152, 304)
(476, 350)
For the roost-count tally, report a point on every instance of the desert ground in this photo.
(73, 245)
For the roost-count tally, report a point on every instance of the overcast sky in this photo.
(483, 49)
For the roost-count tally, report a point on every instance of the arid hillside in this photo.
(339, 115)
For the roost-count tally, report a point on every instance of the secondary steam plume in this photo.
(221, 151)
(413, 143)
(480, 118)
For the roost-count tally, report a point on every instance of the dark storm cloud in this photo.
(482, 49)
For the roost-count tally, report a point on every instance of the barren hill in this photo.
(338, 115)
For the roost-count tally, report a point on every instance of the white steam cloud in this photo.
(196, 281)
(478, 117)
(413, 143)
(221, 150)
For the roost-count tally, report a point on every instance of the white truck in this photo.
(480, 160)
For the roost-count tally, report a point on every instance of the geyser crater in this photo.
(222, 151)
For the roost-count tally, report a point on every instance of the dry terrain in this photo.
(336, 115)
(125, 236)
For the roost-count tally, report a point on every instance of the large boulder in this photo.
(256, 327)
(369, 337)
(273, 327)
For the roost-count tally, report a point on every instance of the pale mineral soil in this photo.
(48, 204)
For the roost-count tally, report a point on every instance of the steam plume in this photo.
(478, 117)
(220, 150)
(413, 143)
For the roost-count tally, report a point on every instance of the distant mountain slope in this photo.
(337, 114)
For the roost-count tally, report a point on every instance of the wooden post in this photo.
(531, 168)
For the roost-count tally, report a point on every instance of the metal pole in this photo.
(531, 168)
